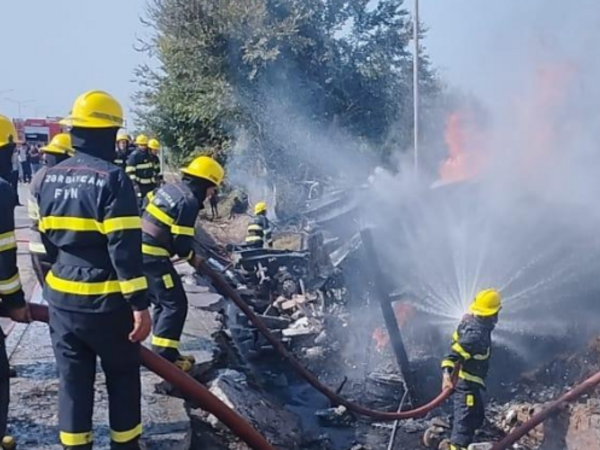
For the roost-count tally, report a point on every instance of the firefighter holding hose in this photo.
(471, 348)
(96, 288)
(168, 230)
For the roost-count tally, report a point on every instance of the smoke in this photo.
(518, 208)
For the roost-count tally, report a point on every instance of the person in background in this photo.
(34, 159)
(259, 233)
(214, 204)
(155, 149)
(14, 178)
(24, 163)
(123, 150)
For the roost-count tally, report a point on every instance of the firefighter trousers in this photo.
(469, 412)
(4, 385)
(78, 338)
(168, 297)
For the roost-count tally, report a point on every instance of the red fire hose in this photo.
(227, 291)
(191, 389)
(552, 409)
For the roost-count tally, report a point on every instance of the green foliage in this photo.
(286, 77)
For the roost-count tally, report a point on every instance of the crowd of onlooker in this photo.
(26, 161)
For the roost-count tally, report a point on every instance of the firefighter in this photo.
(54, 153)
(259, 231)
(123, 150)
(11, 292)
(471, 349)
(140, 168)
(168, 230)
(95, 288)
(155, 149)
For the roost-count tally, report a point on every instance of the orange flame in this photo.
(464, 143)
(403, 312)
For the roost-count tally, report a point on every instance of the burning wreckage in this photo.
(327, 302)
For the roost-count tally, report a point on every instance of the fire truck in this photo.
(37, 131)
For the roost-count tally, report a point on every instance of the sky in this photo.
(61, 48)
(54, 50)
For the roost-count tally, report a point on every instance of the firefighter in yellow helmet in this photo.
(471, 348)
(123, 149)
(54, 153)
(140, 168)
(155, 149)
(168, 230)
(11, 292)
(96, 288)
(259, 233)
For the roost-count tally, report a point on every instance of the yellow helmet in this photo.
(142, 139)
(206, 168)
(122, 137)
(487, 303)
(95, 109)
(154, 144)
(60, 145)
(8, 132)
(260, 207)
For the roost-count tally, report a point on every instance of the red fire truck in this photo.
(37, 131)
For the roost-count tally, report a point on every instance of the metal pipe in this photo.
(554, 407)
(191, 390)
(227, 291)
(389, 316)
(416, 111)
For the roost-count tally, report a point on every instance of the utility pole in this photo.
(416, 115)
(20, 104)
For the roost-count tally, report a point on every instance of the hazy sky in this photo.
(54, 50)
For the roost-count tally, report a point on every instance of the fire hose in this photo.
(190, 388)
(552, 409)
(227, 291)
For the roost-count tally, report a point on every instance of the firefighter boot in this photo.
(8, 443)
(184, 365)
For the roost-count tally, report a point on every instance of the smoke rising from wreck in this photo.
(518, 207)
(517, 202)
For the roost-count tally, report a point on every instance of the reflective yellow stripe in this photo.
(8, 241)
(122, 437)
(168, 280)
(33, 210)
(74, 439)
(129, 169)
(150, 196)
(10, 286)
(468, 377)
(145, 180)
(37, 247)
(447, 363)
(154, 251)
(461, 351)
(253, 238)
(483, 357)
(185, 231)
(95, 288)
(164, 342)
(470, 400)
(155, 212)
(255, 228)
(122, 223)
(83, 224)
(134, 285)
(455, 336)
(144, 166)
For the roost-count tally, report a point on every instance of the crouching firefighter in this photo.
(95, 288)
(471, 349)
(259, 231)
(168, 230)
(54, 153)
(11, 293)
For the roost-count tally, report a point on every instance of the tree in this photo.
(309, 84)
